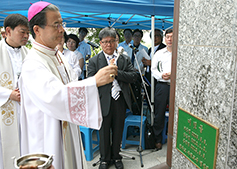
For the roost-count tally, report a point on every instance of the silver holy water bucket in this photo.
(42, 161)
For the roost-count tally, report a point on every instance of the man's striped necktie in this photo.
(115, 86)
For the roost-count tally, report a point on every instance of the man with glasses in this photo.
(114, 97)
(161, 71)
(84, 48)
(53, 101)
(12, 53)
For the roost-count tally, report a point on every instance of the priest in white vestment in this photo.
(12, 53)
(52, 100)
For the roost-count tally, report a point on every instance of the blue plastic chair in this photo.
(133, 120)
(88, 142)
(128, 112)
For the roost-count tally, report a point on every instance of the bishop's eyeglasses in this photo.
(58, 25)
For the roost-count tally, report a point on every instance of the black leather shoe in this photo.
(158, 146)
(103, 165)
(118, 164)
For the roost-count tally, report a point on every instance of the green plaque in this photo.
(197, 140)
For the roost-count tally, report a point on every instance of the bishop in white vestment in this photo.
(47, 102)
(53, 102)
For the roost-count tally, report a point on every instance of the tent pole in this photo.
(130, 18)
(116, 20)
(152, 55)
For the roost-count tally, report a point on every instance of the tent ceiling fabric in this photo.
(119, 14)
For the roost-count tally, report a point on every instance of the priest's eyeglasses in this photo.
(58, 25)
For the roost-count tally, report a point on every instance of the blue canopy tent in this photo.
(101, 13)
(120, 14)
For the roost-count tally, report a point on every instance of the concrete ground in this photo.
(150, 158)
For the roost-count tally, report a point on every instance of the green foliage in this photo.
(72, 30)
(95, 51)
(93, 35)
(29, 45)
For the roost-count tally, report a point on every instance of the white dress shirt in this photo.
(78, 54)
(73, 60)
(161, 63)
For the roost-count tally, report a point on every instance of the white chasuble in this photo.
(10, 64)
(46, 101)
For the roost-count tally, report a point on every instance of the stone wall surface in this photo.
(206, 76)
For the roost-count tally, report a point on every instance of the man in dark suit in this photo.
(158, 39)
(113, 109)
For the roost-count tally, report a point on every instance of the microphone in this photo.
(95, 45)
(133, 48)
